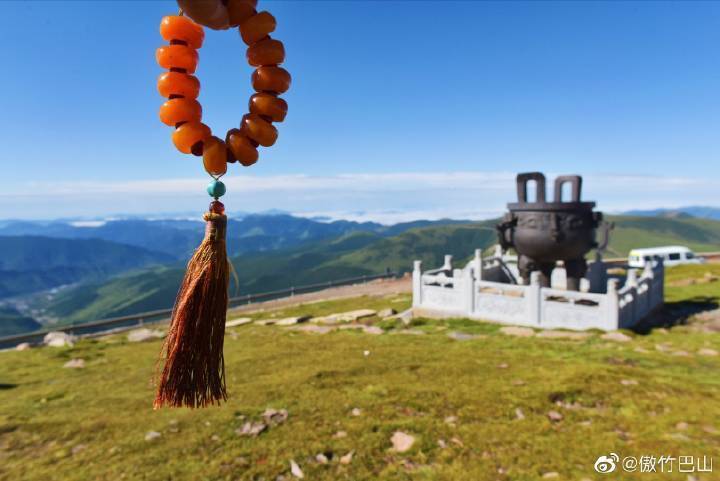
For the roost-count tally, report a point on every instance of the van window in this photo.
(674, 256)
(648, 258)
(689, 255)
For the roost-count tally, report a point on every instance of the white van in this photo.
(671, 256)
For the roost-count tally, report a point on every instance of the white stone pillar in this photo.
(533, 299)
(468, 293)
(417, 284)
(477, 264)
(612, 305)
(447, 265)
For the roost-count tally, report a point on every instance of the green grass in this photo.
(89, 424)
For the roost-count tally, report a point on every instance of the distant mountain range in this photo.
(702, 212)
(141, 269)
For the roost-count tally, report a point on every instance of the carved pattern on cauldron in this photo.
(545, 232)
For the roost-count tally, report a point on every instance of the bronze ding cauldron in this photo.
(543, 233)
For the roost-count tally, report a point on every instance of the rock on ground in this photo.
(402, 442)
(59, 339)
(383, 313)
(295, 470)
(315, 329)
(705, 351)
(347, 459)
(275, 416)
(240, 321)
(290, 321)
(349, 316)
(575, 336)
(144, 334)
(251, 429)
(23, 346)
(461, 336)
(152, 435)
(75, 364)
(554, 416)
(517, 331)
(616, 336)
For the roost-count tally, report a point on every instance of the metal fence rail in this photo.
(135, 320)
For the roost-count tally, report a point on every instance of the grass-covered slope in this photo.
(633, 232)
(477, 409)
(13, 322)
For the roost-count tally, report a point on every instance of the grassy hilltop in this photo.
(478, 409)
(351, 255)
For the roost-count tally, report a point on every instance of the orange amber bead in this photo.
(211, 13)
(271, 79)
(179, 110)
(257, 27)
(258, 129)
(189, 134)
(175, 27)
(268, 105)
(178, 84)
(241, 147)
(214, 156)
(177, 56)
(266, 52)
(240, 10)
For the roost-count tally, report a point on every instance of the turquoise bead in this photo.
(216, 189)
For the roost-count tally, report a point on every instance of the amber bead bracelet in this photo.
(184, 112)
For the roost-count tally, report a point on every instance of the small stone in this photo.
(315, 329)
(519, 415)
(410, 332)
(321, 458)
(460, 336)
(241, 321)
(441, 444)
(457, 442)
(23, 346)
(383, 313)
(550, 475)
(75, 364)
(275, 416)
(356, 412)
(402, 442)
(570, 335)
(152, 435)
(347, 459)
(59, 339)
(629, 382)
(518, 382)
(366, 353)
(374, 330)
(554, 416)
(616, 337)
(295, 470)
(706, 351)
(517, 331)
(78, 449)
(342, 317)
(215, 438)
(682, 426)
(709, 429)
(681, 353)
(251, 429)
(340, 435)
(142, 335)
(664, 347)
(641, 350)
(503, 365)
(290, 321)
(451, 420)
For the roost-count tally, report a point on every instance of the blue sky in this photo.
(397, 109)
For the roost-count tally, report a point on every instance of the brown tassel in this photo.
(194, 371)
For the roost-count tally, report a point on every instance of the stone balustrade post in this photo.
(612, 306)
(417, 284)
(533, 299)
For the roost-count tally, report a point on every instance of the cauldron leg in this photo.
(546, 274)
(525, 267)
(574, 271)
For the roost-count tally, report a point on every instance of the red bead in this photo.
(217, 207)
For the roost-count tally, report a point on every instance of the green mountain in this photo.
(13, 322)
(351, 255)
(33, 263)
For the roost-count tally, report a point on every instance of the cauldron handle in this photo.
(575, 181)
(522, 180)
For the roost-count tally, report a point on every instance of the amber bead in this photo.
(179, 110)
(268, 105)
(242, 148)
(240, 10)
(271, 79)
(257, 27)
(258, 129)
(211, 13)
(179, 85)
(175, 27)
(177, 56)
(214, 156)
(189, 134)
(266, 52)
(217, 207)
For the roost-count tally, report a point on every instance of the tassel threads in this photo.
(194, 370)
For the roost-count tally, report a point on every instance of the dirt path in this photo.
(382, 287)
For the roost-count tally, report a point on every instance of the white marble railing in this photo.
(468, 292)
